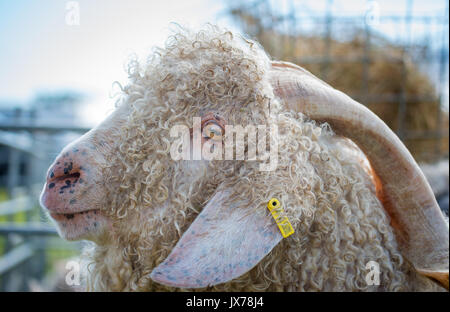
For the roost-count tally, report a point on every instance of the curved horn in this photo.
(420, 227)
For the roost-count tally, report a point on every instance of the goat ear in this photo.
(225, 241)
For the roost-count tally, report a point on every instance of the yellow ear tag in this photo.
(282, 221)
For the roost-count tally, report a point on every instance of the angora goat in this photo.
(351, 191)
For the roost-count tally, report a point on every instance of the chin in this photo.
(87, 225)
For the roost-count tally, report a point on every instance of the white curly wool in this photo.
(155, 204)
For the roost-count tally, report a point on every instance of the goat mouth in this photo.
(72, 226)
(69, 216)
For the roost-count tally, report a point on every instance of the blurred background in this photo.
(59, 59)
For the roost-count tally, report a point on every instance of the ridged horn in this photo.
(421, 230)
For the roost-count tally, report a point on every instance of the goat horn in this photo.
(421, 230)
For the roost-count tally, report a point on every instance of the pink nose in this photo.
(66, 181)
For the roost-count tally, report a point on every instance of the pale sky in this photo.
(40, 52)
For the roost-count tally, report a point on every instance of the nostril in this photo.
(74, 175)
(67, 181)
(68, 176)
(66, 166)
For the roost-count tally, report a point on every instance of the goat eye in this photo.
(212, 130)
